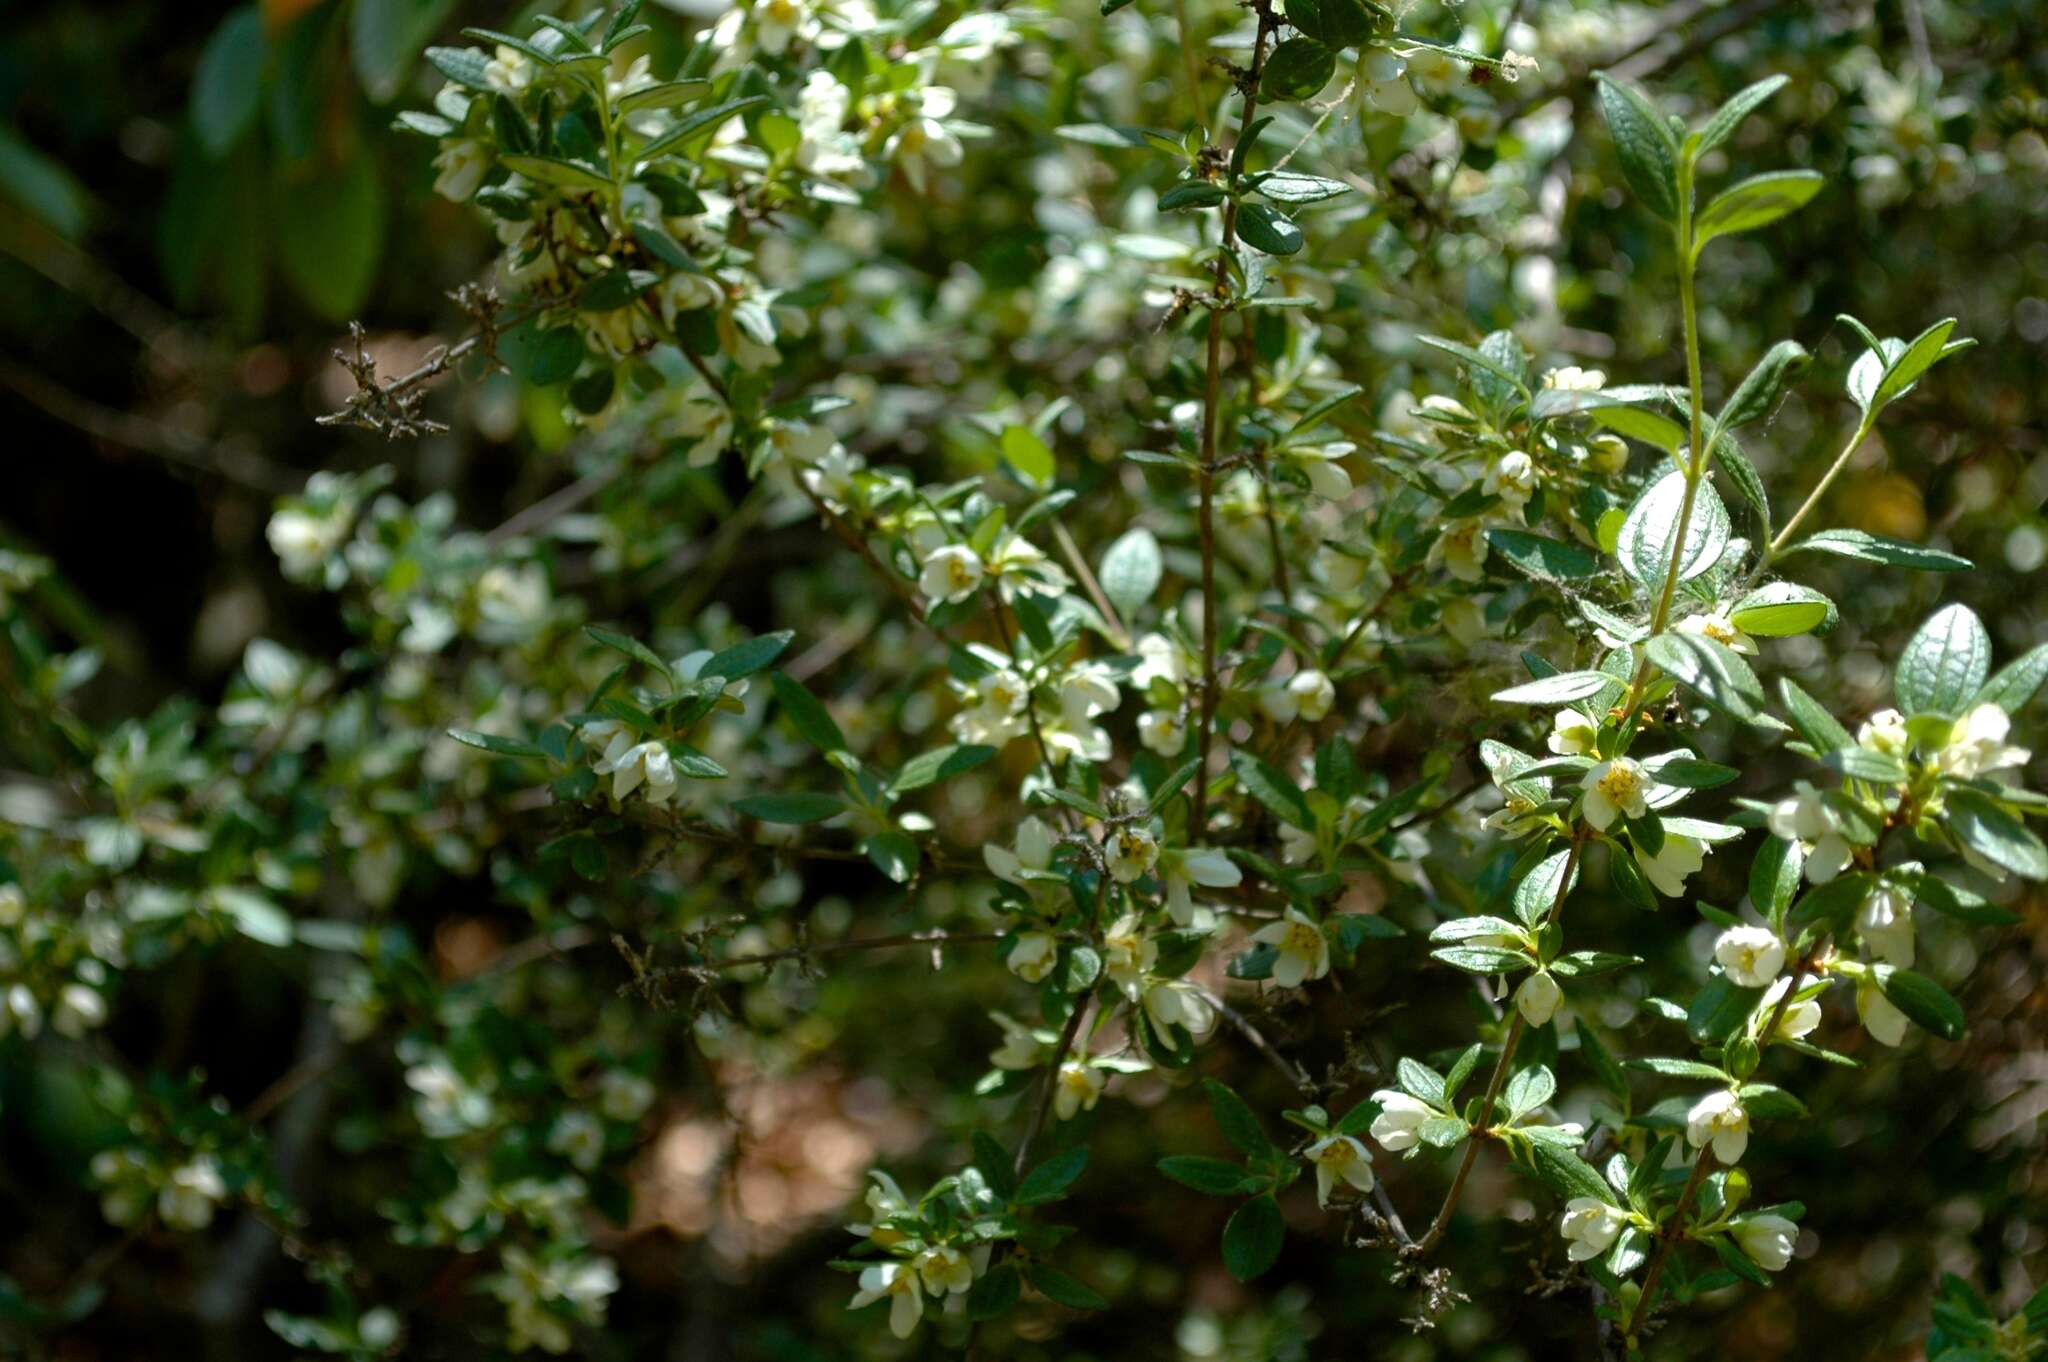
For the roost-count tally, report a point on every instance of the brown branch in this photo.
(1669, 1234)
(1052, 1080)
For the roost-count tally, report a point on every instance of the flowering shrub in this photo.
(1128, 652)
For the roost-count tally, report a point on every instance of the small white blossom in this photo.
(1977, 745)
(1806, 819)
(1718, 1118)
(896, 1283)
(1767, 1239)
(1590, 1226)
(1885, 922)
(632, 764)
(1885, 731)
(945, 1270)
(1679, 857)
(1750, 956)
(1339, 1158)
(1512, 478)
(1571, 378)
(508, 71)
(1538, 997)
(191, 1193)
(1800, 1019)
(1400, 1120)
(952, 573)
(1033, 955)
(461, 167)
(1164, 731)
(1130, 852)
(1572, 734)
(1183, 868)
(1079, 1088)
(1313, 694)
(1615, 789)
(1303, 953)
(1716, 625)
(1885, 1023)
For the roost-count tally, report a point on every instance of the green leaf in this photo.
(810, 718)
(892, 853)
(1755, 202)
(1543, 558)
(1644, 143)
(1925, 1003)
(1236, 1121)
(1778, 609)
(1569, 1175)
(1296, 69)
(1050, 1180)
(1334, 23)
(1747, 481)
(1252, 1238)
(1061, 1289)
(995, 1164)
(1680, 1068)
(941, 763)
(1217, 1177)
(255, 916)
(1419, 1081)
(1131, 569)
(491, 742)
(1543, 887)
(1265, 228)
(745, 658)
(797, 807)
(1920, 355)
(559, 171)
(1820, 729)
(699, 123)
(1774, 877)
(1482, 959)
(1649, 536)
(330, 234)
(1758, 394)
(385, 37)
(227, 85)
(1029, 456)
(994, 1292)
(1874, 548)
(666, 95)
(1983, 826)
(631, 647)
(43, 186)
(2015, 684)
(1944, 664)
(1729, 116)
(1478, 361)
(1291, 186)
(1561, 688)
(1715, 673)
(1282, 798)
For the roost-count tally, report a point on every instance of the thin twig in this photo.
(1052, 1081)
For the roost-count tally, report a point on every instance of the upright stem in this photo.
(1493, 1086)
(1212, 391)
(1827, 479)
(1668, 1237)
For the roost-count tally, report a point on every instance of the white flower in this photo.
(1806, 819)
(1323, 466)
(1386, 85)
(1512, 478)
(1313, 693)
(1164, 731)
(624, 1096)
(1718, 1117)
(896, 1282)
(1615, 789)
(884, 1200)
(825, 148)
(1885, 731)
(952, 573)
(1176, 1002)
(1015, 563)
(778, 23)
(1080, 1086)
(1679, 857)
(1159, 659)
(188, 1197)
(1977, 746)
(304, 541)
(945, 1270)
(1033, 955)
(1035, 844)
(462, 164)
(1130, 852)
(1021, 1048)
(1182, 869)
(1571, 378)
(1750, 956)
(1400, 1120)
(1885, 1023)
(1303, 953)
(924, 142)
(1339, 1158)
(20, 1011)
(688, 291)
(1767, 1239)
(79, 1009)
(1279, 704)
(1800, 1018)
(630, 764)
(1885, 922)
(508, 71)
(998, 714)
(1127, 953)
(1461, 550)
(1572, 734)
(1717, 626)
(832, 478)
(578, 1137)
(1591, 1226)
(1538, 997)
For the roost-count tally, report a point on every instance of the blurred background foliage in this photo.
(195, 201)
